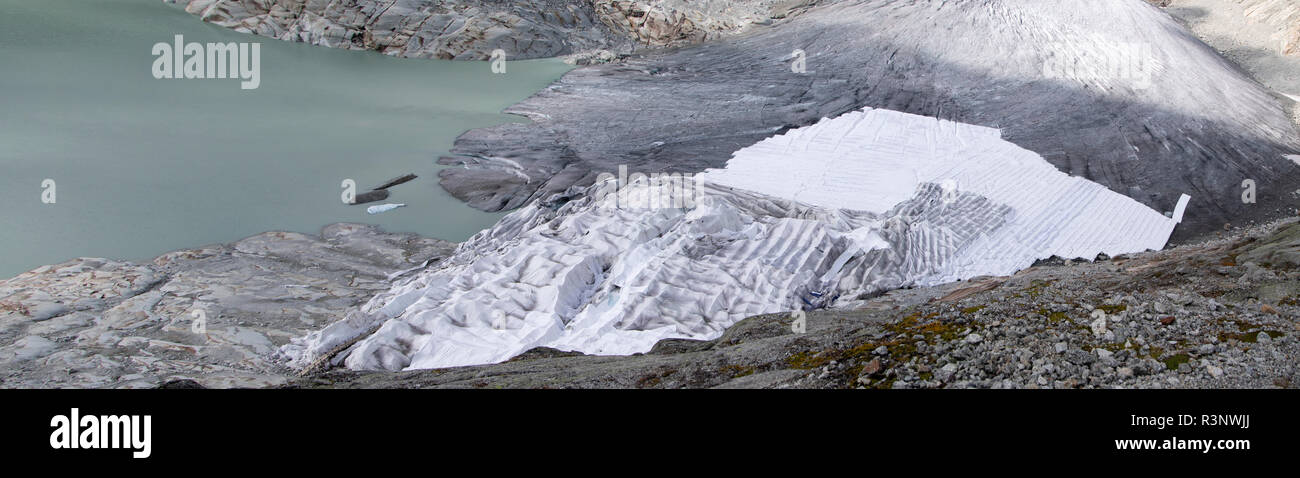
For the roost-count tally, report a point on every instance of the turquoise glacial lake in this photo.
(142, 166)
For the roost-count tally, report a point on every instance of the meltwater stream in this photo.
(142, 166)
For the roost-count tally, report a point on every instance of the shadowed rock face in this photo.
(1180, 120)
(472, 29)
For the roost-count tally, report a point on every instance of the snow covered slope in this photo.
(878, 200)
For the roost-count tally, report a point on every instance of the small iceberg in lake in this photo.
(383, 208)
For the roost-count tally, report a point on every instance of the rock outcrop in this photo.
(1262, 36)
(214, 315)
(473, 29)
(1282, 16)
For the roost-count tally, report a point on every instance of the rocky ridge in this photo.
(472, 30)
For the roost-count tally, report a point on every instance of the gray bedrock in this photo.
(1181, 120)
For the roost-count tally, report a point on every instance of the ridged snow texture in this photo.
(816, 217)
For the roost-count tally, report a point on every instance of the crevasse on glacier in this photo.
(816, 217)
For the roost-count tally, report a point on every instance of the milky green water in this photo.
(143, 166)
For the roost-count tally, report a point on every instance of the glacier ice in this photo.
(383, 208)
(817, 217)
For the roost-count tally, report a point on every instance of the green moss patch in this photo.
(1173, 361)
(1248, 337)
(1113, 309)
(900, 342)
(737, 371)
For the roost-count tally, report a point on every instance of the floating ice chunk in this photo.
(382, 208)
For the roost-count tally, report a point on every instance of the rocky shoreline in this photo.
(90, 323)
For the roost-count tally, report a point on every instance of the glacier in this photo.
(821, 216)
